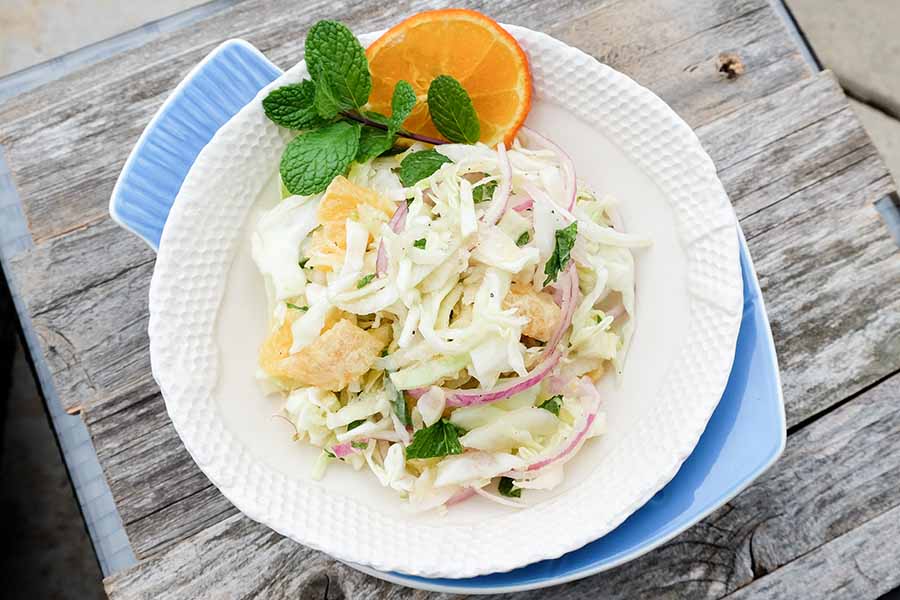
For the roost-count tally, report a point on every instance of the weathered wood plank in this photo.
(853, 566)
(862, 254)
(86, 135)
(835, 484)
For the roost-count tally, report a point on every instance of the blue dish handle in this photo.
(214, 91)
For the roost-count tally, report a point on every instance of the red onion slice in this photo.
(498, 203)
(579, 434)
(526, 205)
(381, 260)
(549, 358)
(342, 450)
(461, 496)
(565, 162)
(398, 220)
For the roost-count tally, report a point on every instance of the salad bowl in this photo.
(648, 155)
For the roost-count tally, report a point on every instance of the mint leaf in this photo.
(420, 165)
(483, 192)
(565, 240)
(523, 239)
(506, 488)
(552, 404)
(334, 53)
(293, 106)
(355, 424)
(441, 439)
(398, 402)
(329, 453)
(402, 103)
(373, 142)
(295, 307)
(452, 111)
(326, 101)
(359, 445)
(302, 262)
(314, 158)
(420, 243)
(364, 281)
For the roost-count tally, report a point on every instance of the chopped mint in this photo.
(329, 453)
(420, 165)
(359, 445)
(483, 192)
(420, 243)
(440, 439)
(565, 241)
(552, 404)
(364, 281)
(506, 488)
(302, 262)
(523, 239)
(398, 402)
(295, 307)
(355, 424)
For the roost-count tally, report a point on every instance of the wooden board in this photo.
(798, 167)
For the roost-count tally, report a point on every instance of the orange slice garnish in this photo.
(468, 46)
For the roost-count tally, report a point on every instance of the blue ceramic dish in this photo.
(745, 435)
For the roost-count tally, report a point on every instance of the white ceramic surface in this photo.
(208, 318)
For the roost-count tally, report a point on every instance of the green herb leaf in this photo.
(364, 281)
(484, 192)
(334, 53)
(327, 103)
(420, 165)
(295, 307)
(329, 453)
(552, 404)
(359, 445)
(420, 243)
(355, 424)
(314, 158)
(523, 239)
(398, 402)
(373, 142)
(565, 240)
(441, 439)
(599, 316)
(293, 106)
(506, 488)
(383, 352)
(302, 262)
(452, 111)
(402, 103)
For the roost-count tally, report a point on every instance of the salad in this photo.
(439, 307)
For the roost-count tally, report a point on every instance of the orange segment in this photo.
(345, 200)
(470, 47)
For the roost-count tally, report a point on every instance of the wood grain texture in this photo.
(833, 485)
(104, 118)
(799, 170)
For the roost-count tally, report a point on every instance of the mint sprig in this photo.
(333, 54)
(314, 158)
(292, 106)
(328, 110)
(452, 111)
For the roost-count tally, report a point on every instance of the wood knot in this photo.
(730, 65)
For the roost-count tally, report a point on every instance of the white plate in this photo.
(207, 320)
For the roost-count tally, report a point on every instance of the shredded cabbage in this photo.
(432, 289)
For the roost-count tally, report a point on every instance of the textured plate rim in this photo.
(234, 474)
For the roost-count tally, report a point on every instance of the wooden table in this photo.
(802, 176)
